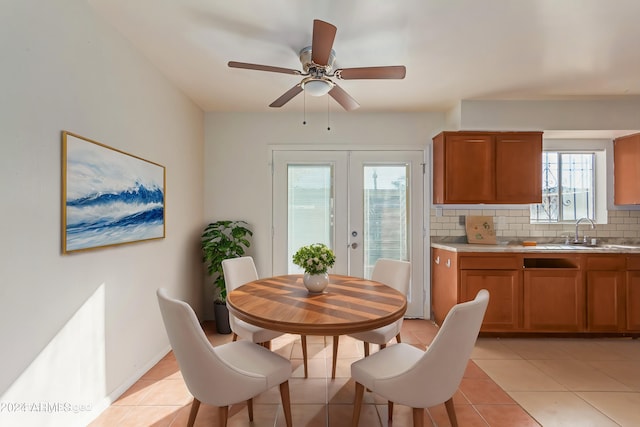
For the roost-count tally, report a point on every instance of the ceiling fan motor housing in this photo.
(317, 83)
(309, 67)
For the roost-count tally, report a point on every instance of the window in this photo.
(568, 188)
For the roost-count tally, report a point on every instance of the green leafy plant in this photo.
(223, 240)
(315, 258)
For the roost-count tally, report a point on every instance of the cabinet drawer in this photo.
(489, 263)
(633, 263)
(616, 262)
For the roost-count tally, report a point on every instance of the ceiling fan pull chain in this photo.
(328, 116)
(304, 109)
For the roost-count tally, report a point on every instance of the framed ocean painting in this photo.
(109, 197)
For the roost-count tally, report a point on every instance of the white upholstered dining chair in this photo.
(393, 273)
(237, 272)
(420, 379)
(225, 374)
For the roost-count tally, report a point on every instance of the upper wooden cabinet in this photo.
(487, 167)
(626, 170)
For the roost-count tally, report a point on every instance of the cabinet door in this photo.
(469, 169)
(505, 296)
(633, 300)
(605, 301)
(444, 283)
(519, 168)
(626, 170)
(553, 300)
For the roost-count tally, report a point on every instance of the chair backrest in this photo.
(207, 377)
(238, 271)
(438, 373)
(394, 273)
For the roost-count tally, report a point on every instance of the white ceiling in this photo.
(453, 49)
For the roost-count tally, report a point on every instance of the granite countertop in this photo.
(539, 248)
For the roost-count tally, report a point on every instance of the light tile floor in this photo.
(567, 382)
(508, 382)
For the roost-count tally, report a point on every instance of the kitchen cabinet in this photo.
(605, 280)
(632, 294)
(553, 295)
(444, 278)
(487, 167)
(500, 275)
(549, 293)
(626, 170)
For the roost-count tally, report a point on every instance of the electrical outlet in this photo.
(461, 220)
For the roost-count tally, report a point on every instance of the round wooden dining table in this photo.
(348, 305)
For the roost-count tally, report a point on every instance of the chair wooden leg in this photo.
(366, 349)
(286, 402)
(235, 337)
(336, 340)
(304, 355)
(357, 405)
(250, 409)
(390, 410)
(383, 346)
(223, 414)
(451, 411)
(398, 337)
(195, 405)
(418, 417)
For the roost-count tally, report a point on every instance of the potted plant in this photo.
(222, 240)
(315, 260)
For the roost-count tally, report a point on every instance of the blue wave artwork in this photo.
(111, 197)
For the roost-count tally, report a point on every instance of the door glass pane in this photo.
(385, 214)
(310, 208)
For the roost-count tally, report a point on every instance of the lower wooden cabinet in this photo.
(553, 300)
(444, 277)
(542, 293)
(505, 295)
(633, 301)
(605, 301)
(632, 293)
(605, 287)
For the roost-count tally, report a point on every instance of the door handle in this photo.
(354, 245)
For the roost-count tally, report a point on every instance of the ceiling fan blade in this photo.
(287, 96)
(234, 64)
(343, 98)
(322, 42)
(391, 72)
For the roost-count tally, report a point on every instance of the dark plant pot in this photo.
(221, 313)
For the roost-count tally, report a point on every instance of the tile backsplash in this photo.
(514, 224)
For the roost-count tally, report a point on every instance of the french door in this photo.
(363, 204)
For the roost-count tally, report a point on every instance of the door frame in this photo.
(426, 232)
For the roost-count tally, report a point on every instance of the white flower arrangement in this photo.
(315, 258)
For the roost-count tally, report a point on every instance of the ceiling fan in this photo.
(317, 64)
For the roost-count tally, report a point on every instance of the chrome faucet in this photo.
(576, 240)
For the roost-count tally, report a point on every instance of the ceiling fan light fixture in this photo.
(317, 86)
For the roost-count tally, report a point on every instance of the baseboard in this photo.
(104, 403)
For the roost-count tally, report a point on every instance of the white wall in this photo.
(238, 176)
(78, 329)
(609, 114)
